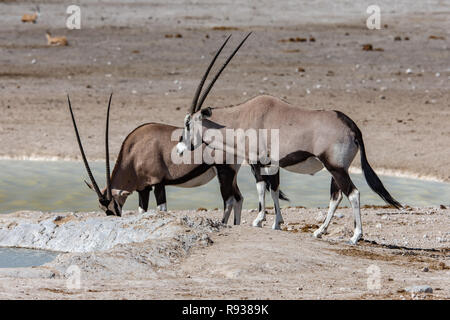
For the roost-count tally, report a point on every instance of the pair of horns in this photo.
(86, 163)
(196, 103)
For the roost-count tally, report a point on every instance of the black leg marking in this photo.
(334, 190)
(160, 194)
(226, 176)
(144, 196)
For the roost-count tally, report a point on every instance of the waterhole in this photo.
(21, 258)
(59, 186)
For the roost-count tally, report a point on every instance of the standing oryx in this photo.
(145, 162)
(308, 141)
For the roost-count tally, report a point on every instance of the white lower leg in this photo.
(331, 210)
(162, 207)
(353, 197)
(261, 188)
(228, 206)
(276, 203)
(237, 208)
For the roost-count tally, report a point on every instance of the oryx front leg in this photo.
(144, 196)
(336, 197)
(261, 188)
(237, 206)
(274, 181)
(228, 206)
(160, 195)
(276, 203)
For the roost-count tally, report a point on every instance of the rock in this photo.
(425, 269)
(418, 289)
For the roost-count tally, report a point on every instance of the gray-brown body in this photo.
(308, 141)
(145, 162)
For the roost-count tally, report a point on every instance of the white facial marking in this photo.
(181, 147)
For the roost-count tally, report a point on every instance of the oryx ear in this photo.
(206, 112)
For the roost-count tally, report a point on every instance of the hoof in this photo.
(354, 240)
(317, 234)
(257, 224)
(276, 226)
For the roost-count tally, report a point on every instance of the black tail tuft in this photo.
(281, 195)
(371, 177)
(374, 182)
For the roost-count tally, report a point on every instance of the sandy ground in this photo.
(243, 262)
(133, 49)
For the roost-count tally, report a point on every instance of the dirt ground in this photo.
(133, 50)
(152, 55)
(400, 249)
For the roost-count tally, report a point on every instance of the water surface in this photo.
(21, 258)
(59, 186)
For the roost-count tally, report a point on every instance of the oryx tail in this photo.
(371, 177)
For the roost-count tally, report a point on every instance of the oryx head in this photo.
(111, 200)
(192, 132)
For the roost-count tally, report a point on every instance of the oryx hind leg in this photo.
(144, 196)
(346, 185)
(335, 199)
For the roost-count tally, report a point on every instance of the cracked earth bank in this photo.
(190, 255)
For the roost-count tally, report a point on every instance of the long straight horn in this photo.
(86, 164)
(108, 174)
(205, 94)
(200, 86)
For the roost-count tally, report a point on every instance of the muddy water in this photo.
(59, 186)
(20, 258)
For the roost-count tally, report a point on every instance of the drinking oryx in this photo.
(145, 162)
(308, 141)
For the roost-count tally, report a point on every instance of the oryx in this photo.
(145, 162)
(308, 141)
